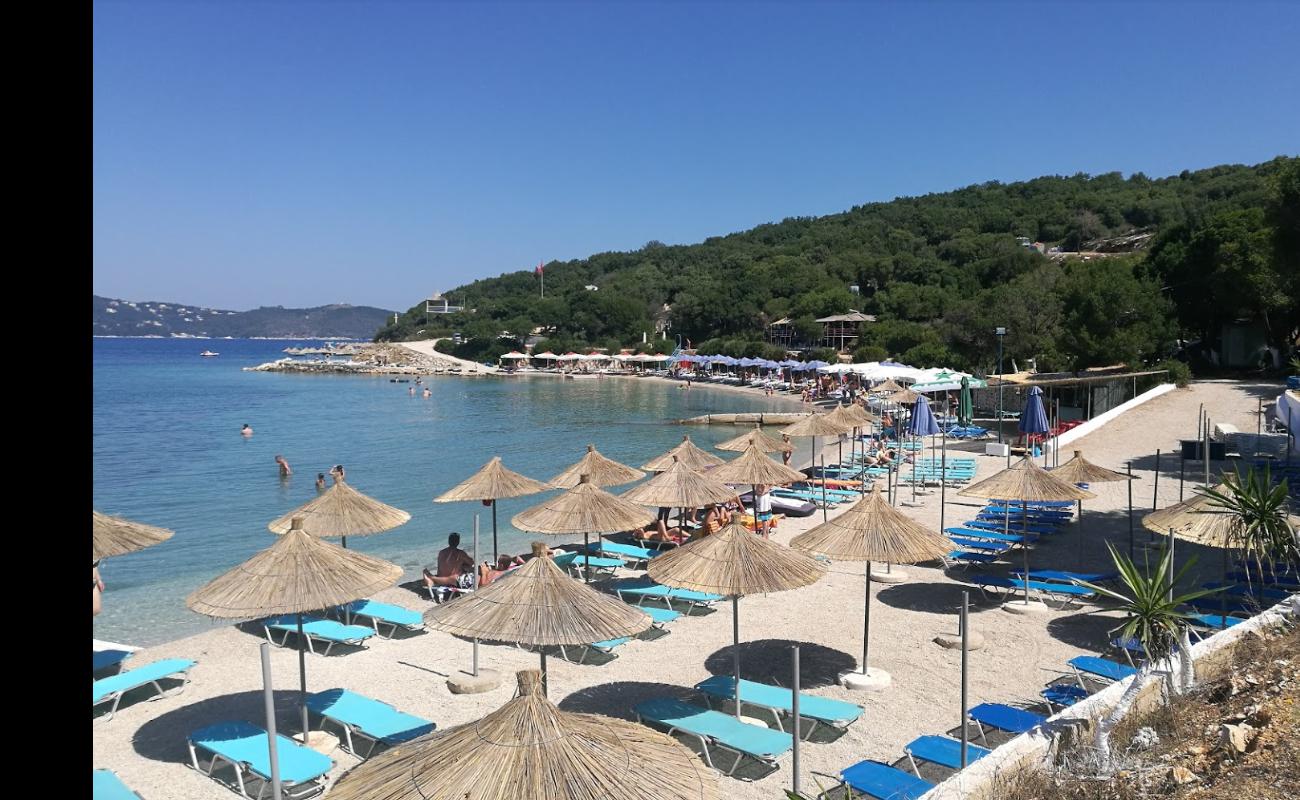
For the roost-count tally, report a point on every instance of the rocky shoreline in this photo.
(380, 359)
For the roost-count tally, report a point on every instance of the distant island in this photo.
(114, 317)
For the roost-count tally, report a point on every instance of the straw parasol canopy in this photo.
(687, 453)
(853, 415)
(602, 471)
(887, 386)
(115, 536)
(530, 748)
(753, 467)
(1197, 520)
(299, 572)
(818, 425)
(585, 509)
(538, 604)
(1026, 481)
(873, 530)
(1080, 470)
(680, 487)
(492, 482)
(735, 562)
(764, 442)
(342, 511)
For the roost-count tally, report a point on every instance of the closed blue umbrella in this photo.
(1033, 419)
(922, 423)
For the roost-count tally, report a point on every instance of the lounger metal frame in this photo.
(705, 741)
(311, 648)
(289, 789)
(116, 697)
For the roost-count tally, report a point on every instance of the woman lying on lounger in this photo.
(488, 572)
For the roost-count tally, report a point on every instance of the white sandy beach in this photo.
(145, 742)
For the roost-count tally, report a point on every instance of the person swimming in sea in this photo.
(284, 467)
(411, 391)
(320, 481)
(427, 393)
(247, 431)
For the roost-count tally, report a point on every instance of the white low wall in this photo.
(1078, 432)
(983, 778)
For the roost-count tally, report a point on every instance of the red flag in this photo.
(538, 271)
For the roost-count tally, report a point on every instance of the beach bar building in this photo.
(842, 331)
(437, 304)
(781, 332)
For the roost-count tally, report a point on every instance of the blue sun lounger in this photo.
(114, 687)
(105, 785)
(967, 557)
(1259, 593)
(1004, 718)
(316, 629)
(1062, 576)
(1063, 695)
(659, 618)
(980, 545)
(780, 702)
(382, 614)
(363, 718)
(1280, 581)
(103, 660)
(1108, 671)
(1214, 622)
(991, 525)
(625, 551)
(717, 729)
(244, 747)
(883, 782)
(998, 588)
(991, 536)
(941, 750)
(641, 590)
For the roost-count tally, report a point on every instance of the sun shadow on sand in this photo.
(768, 661)
(1086, 631)
(163, 738)
(931, 598)
(616, 699)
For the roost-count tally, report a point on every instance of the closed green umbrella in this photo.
(965, 414)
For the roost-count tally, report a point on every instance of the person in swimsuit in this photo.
(788, 452)
(763, 509)
(490, 572)
(284, 467)
(320, 481)
(247, 431)
(454, 568)
(96, 590)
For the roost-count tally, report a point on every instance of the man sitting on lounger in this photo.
(454, 568)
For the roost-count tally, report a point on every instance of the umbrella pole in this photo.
(943, 481)
(586, 558)
(545, 689)
(794, 711)
(269, 698)
(866, 622)
(474, 655)
(495, 554)
(1024, 544)
(302, 675)
(345, 543)
(735, 649)
(1130, 510)
(824, 489)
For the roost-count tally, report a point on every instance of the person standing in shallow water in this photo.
(284, 467)
(320, 481)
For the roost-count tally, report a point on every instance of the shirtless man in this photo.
(454, 567)
(97, 604)
(284, 467)
(247, 431)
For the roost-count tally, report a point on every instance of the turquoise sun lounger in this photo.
(941, 750)
(578, 561)
(114, 687)
(382, 614)
(245, 748)
(641, 590)
(717, 729)
(363, 718)
(780, 702)
(316, 629)
(883, 782)
(1108, 671)
(625, 551)
(1005, 718)
(105, 785)
(1001, 589)
(980, 545)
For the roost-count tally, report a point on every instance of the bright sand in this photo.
(145, 742)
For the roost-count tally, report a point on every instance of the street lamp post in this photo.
(1000, 332)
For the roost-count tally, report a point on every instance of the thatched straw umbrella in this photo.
(872, 530)
(680, 487)
(342, 511)
(584, 509)
(753, 467)
(855, 417)
(1080, 470)
(601, 470)
(1025, 482)
(115, 536)
(1196, 519)
(491, 483)
(296, 574)
(687, 453)
(766, 443)
(528, 748)
(815, 425)
(538, 604)
(735, 562)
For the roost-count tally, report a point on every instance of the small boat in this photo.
(209, 354)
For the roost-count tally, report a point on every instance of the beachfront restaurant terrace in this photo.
(841, 331)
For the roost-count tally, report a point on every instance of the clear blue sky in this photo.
(305, 153)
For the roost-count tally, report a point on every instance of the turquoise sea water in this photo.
(167, 451)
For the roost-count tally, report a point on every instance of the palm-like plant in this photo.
(1152, 616)
(1263, 531)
